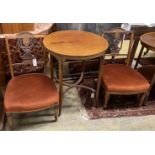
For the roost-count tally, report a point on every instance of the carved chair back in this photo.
(26, 53)
(116, 38)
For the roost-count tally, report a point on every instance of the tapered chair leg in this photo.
(10, 121)
(56, 114)
(106, 99)
(146, 98)
(142, 99)
(148, 93)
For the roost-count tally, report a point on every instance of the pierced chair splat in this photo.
(28, 92)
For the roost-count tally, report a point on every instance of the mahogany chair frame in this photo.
(10, 115)
(128, 63)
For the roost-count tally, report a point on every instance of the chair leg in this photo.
(142, 99)
(10, 121)
(106, 99)
(151, 85)
(146, 98)
(56, 114)
(52, 66)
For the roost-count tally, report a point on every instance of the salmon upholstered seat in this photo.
(121, 78)
(30, 92)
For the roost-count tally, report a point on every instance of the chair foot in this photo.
(106, 99)
(10, 121)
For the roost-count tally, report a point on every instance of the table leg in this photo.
(52, 66)
(60, 84)
(99, 80)
(139, 56)
(147, 50)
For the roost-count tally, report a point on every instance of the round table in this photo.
(75, 45)
(147, 41)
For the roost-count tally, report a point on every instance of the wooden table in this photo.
(75, 45)
(138, 31)
(148, 41)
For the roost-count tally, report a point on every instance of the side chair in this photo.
(121, 79)
(30, 92)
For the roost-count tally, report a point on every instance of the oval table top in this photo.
(75, 44)
(148, 39)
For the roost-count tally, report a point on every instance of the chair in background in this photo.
(28, 92)
(121, 79)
